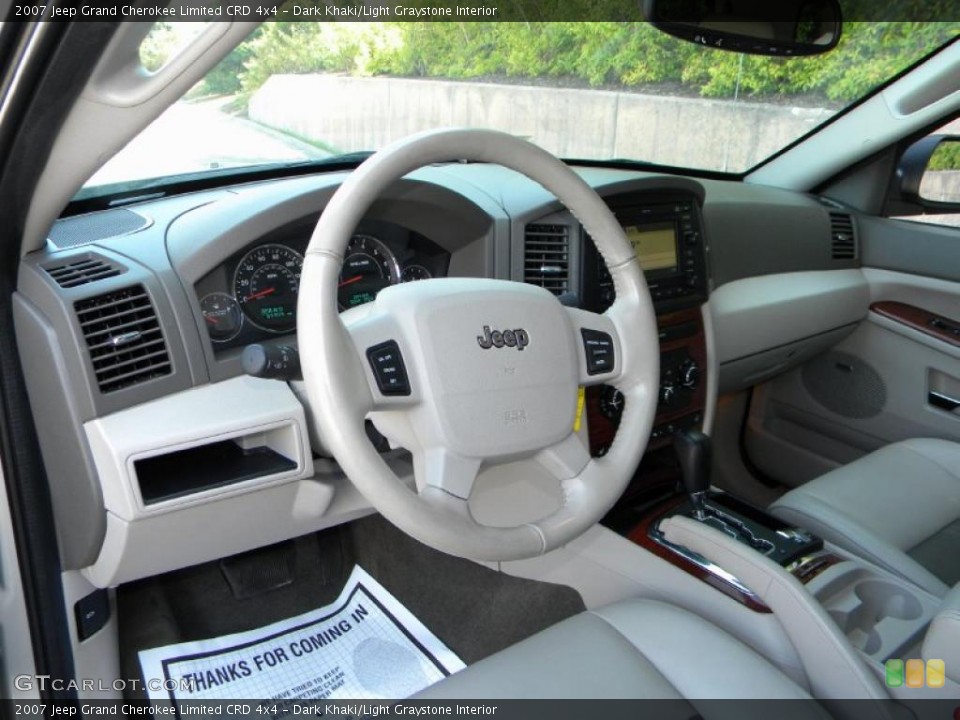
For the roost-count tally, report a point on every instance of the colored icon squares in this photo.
(936, 673)
(915, 673)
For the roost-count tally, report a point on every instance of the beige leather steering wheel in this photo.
(491, 367)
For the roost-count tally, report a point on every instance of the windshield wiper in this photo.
(110, 195)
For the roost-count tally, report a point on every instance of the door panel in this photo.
(893, 378)
(16, 650)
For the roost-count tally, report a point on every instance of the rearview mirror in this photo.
(757, 27)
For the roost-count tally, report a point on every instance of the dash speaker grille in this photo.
(85, 229)
(845, 385)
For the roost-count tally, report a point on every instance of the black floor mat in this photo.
(474, 610)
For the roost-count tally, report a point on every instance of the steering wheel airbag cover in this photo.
(339, 386)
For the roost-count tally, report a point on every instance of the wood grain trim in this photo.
(602, 430)
(640, 535)
(805, 572)
(924, 321)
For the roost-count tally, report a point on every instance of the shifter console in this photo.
(785, 545)
(693, 452)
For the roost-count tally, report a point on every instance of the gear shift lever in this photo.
(693, 452)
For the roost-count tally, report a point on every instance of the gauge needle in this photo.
(262, 293)
(350, 281)
(210, 320)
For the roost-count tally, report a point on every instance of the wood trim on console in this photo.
(805, 570)
(696, 346)
(929, 323)
(810, 568)
(602, 429)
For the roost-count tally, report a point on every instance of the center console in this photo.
(666, 232)
(816, 592)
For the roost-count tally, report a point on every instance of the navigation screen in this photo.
(655, 245)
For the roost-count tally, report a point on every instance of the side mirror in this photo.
(784, 27)
(929, 173)
(941, 178)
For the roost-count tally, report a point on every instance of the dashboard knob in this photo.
(667, 392)
(689, 374)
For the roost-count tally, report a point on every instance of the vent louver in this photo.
(546, 257)
(843, 238)
(124, 338)
(80, 271)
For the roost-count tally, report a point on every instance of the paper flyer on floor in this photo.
(364, 646)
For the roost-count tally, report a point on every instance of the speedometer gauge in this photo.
(266, 285)
(368, 267)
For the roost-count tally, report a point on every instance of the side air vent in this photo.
(546, 257)
(843, 238)
(124, 338)
(80, 271)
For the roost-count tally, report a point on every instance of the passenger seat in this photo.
(898, 507)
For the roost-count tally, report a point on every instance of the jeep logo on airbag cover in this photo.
(508, 338)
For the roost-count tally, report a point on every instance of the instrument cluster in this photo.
(252, 296)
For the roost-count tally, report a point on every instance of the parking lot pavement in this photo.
(194, 136)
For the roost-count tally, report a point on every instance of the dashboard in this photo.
(135, 319)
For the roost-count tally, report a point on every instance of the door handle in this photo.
(944, 402)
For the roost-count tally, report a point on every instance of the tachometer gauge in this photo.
(266, 285)
(368, 267)
(222, 316)
(415, 272)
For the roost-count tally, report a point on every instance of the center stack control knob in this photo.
(689, 374)
(667, 392)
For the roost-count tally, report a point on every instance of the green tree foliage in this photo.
(616, 54)
(224, 79)
(945, 157)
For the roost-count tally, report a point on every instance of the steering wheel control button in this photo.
(387, 365)
(599, 349)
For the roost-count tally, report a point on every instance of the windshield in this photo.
(302, 91)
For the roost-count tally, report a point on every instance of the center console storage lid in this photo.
(942, 641)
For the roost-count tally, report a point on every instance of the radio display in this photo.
(655, 245)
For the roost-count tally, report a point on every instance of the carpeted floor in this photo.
(474, 610)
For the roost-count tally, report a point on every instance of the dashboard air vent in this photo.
(80, 271)
(843, 238)
(546, 257)
(124, 338)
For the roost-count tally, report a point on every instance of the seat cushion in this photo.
(898, 507)
(633, 649)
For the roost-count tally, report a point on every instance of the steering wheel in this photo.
(466, 373)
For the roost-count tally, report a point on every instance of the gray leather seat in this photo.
(898, 507)
(632, 649)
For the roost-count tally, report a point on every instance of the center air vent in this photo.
(843, 238)
(546, 257)
(82, 270)
(124, 338)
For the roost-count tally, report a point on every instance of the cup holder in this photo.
(884, 599)
(881, 616)
(859, 628)
(862, 616)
